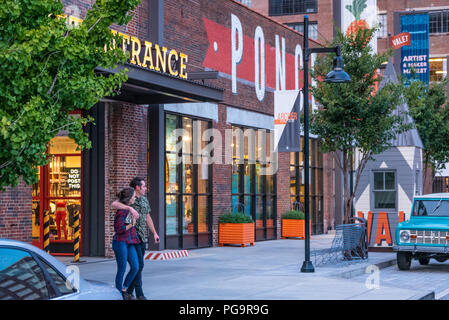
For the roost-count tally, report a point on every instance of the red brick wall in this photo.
(323, 17)
(186, 22)
(16, 213)
(138, 25)
(126, 155)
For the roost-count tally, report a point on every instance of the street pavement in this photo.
(433, 277)
(270, 270)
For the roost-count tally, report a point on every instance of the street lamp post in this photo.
(337, 75)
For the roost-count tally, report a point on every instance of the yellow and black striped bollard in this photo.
(46, 231)
(76, 243)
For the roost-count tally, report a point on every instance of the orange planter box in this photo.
(294, 228)
(236, 233)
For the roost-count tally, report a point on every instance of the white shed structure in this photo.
(388, 184)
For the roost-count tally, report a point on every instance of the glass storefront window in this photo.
(251, 188)
(171, 180)
(235, 176)
(62, 218)
(59, 192)
(170, 136)
(247, 171)
(259, 179)
(203, 177)
(203, 216)
(65, 176)
(187, 210)
(297, 188)
(187, 174)
(171, 206)
(259, 212)
(437, 69)
(187, 145)
(188, 182)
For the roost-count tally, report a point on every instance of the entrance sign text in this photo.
(148, 55)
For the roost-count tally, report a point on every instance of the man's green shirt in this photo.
(142, 206)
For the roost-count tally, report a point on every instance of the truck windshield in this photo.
(431, 208)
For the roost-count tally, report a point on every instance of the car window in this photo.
(21, 278)
(65, 287)
(431, 208)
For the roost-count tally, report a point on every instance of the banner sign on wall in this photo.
(416, 55)
(359, 14)
(287, 110)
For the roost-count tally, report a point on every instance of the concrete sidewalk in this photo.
(268, 270)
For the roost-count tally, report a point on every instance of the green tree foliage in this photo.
(352, 115)
(429, 108)
(46, 71)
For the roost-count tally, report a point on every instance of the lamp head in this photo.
(337, 75)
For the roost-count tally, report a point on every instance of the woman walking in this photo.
(123, 243)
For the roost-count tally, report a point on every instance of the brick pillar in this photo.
(126, 148)
(282, 188)
(222, 177)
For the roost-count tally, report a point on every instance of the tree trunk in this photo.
(346, 196)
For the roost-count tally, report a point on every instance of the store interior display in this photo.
(58, 191)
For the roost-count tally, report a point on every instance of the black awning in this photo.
(145, 86)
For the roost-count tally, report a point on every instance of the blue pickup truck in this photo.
(426, 234)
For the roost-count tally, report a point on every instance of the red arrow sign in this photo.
(400, 40)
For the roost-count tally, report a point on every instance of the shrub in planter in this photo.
(235, 229)
(293, 225)
(294, 214)
(235, 218)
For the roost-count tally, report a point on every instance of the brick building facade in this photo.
(132, 134)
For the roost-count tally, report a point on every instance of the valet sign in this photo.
(416, 55)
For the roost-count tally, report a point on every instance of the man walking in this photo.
(142, 207)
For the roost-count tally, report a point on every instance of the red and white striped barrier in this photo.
(166, 255)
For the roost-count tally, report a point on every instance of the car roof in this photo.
(433, 196)
(20, 244)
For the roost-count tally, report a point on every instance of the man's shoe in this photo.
(141, 298)
(127, 296)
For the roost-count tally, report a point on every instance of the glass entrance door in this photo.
(59, 192)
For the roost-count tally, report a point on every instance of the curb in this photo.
(428, 296)
(362, 269)
(166, 255)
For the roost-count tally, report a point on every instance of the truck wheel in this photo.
(439, 259)
(424, 261)
(404, 260)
